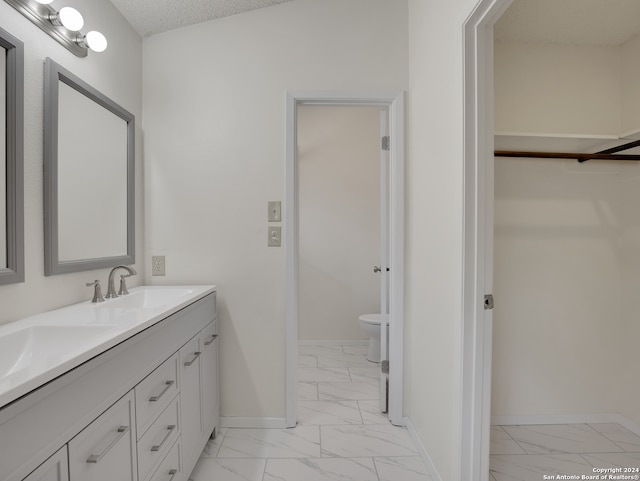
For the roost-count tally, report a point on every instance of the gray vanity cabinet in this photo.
(199, 391)
(141, 411)
(106, 449)
(56, 468)
(209, 381)
(190, 397)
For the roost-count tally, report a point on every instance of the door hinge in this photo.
(488, 302)
(386, 143)
(384, 366)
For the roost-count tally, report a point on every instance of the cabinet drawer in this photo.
(105, 450)
(170, 467)
(155, 392)
(157, 441)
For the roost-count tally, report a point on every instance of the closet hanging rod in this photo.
(619, 148)
(564, 155)
(607, 154)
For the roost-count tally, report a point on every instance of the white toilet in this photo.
(371, 324)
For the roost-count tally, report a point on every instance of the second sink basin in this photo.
(148, 298)
(35, 346)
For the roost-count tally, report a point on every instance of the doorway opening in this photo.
(583, 206)
(391, 104)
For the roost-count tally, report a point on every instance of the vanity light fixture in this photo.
(62, 25)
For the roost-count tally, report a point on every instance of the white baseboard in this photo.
(567, 419)
(323, 342)
(426, 459)
(252, 423)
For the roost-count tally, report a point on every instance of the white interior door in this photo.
(384, 259)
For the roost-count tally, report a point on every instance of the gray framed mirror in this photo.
(11, 159)
(89, 165)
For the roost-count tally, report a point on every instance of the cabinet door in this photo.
(190, 405)
(105, 450)
(55, 468)
(209, 372)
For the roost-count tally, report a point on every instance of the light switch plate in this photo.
(274, 236)
(275, 211)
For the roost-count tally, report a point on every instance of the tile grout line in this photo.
(221, 441)
(607, 438)
(360, 411)
(375, 467)
(514, 440)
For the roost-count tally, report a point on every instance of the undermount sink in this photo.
(147, 298)
(37, 346)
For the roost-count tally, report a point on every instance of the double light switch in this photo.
(274, 215)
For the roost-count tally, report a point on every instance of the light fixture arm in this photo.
(47, 18)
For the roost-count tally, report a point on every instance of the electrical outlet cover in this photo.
(157, 266)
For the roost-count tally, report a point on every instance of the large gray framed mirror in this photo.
(88, 176)
(11, 159)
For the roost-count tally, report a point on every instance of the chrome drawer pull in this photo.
(168, 384)
(213, 338)
(196, 355)
(95, 458)
(164, 440)
(173, 473)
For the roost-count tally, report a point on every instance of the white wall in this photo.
(214, 125)
(117, 73)
(627, 391)
(3, 171)
(433, 312)
(630, 79)
(561, 89)
(339, 227)
(558, 283)
(566, 235)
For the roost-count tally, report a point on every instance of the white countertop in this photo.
(37, 349)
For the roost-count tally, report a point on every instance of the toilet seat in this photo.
(374, 318)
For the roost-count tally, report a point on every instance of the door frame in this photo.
(477, 328)
(394, 100)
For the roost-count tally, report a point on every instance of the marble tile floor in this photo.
(341, 435)
(528, 453)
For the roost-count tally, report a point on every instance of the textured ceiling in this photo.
(591, 22)
(149, 17)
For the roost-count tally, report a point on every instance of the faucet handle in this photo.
(123, 285)
(97, 292)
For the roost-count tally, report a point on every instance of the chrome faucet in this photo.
(111, 289)
(97, 292)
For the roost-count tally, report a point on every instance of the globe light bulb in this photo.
(95, 41)
(70, 18)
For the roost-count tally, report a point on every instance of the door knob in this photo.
(376, 269)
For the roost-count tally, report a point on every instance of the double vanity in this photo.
(123, 390)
